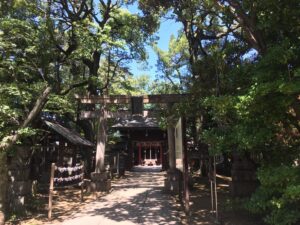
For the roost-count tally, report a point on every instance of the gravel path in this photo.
(136, 199)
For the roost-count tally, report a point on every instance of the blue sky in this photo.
(167, 28)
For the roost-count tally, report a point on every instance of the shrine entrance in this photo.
(148, 153)
(133, 119)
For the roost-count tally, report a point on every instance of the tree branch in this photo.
(254, 35)
(108, 80)
(39, 104)
(83, 83)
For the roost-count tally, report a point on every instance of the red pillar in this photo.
(140, 154)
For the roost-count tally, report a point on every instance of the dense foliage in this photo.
(243, 70)
(51, 48)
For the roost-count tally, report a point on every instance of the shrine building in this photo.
(146, 141)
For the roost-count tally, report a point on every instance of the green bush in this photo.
(278, 197)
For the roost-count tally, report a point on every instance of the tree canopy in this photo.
(242, 67)
(50, 48)
(238, 59)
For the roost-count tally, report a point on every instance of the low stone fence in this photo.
(19, 184)
(3, 185)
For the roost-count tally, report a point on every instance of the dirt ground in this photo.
(66, 202)
(228, 214)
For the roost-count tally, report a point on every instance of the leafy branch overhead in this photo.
(240, 61)
(60, 46)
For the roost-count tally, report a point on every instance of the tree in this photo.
(244, 68)
(50, 48)
(173, 64)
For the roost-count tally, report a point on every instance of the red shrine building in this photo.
(146, 142)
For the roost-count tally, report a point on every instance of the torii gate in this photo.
(100, 181)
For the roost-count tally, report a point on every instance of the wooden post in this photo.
(161, 154)
(118, 164)
(171, 146)
(211, 181)
(150, 152)
(51, 190)
(82, 183)
(132, 155)
(140, 154)
(215, 188)
(171, 140)
(212, 195)
(81, 191)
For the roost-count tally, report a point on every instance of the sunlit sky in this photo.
(167, 28)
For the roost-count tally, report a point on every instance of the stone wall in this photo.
(19, 183)
(3, 185)
(244, 180)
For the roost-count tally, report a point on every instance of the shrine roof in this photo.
(70, 135)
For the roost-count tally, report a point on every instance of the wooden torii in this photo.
(126, 99)
(102, 114)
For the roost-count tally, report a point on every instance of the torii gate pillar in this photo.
(173, 175)
(100, 178)
(171, 146)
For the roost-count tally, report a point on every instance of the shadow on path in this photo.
(201, 205)
(136, 199)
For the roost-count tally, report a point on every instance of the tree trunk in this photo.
(93, 66)
(254, 35)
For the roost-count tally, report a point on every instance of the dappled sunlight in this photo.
(136, 199)
(200, 198)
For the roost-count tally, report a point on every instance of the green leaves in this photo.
(278, 195)
(24, 64)
(172, 63)
(290, 88)
(60, 105)
(240, 61)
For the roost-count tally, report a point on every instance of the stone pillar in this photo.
(172, 182)
(3, 185)
(101, 142)
(243, 173)
(100, 178)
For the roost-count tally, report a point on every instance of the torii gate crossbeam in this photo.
(126, 99)
(99, 177)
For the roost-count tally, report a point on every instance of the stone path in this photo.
(136, 199)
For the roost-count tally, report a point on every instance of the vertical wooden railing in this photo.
(51, 190)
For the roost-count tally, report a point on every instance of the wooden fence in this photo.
(61, 177)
